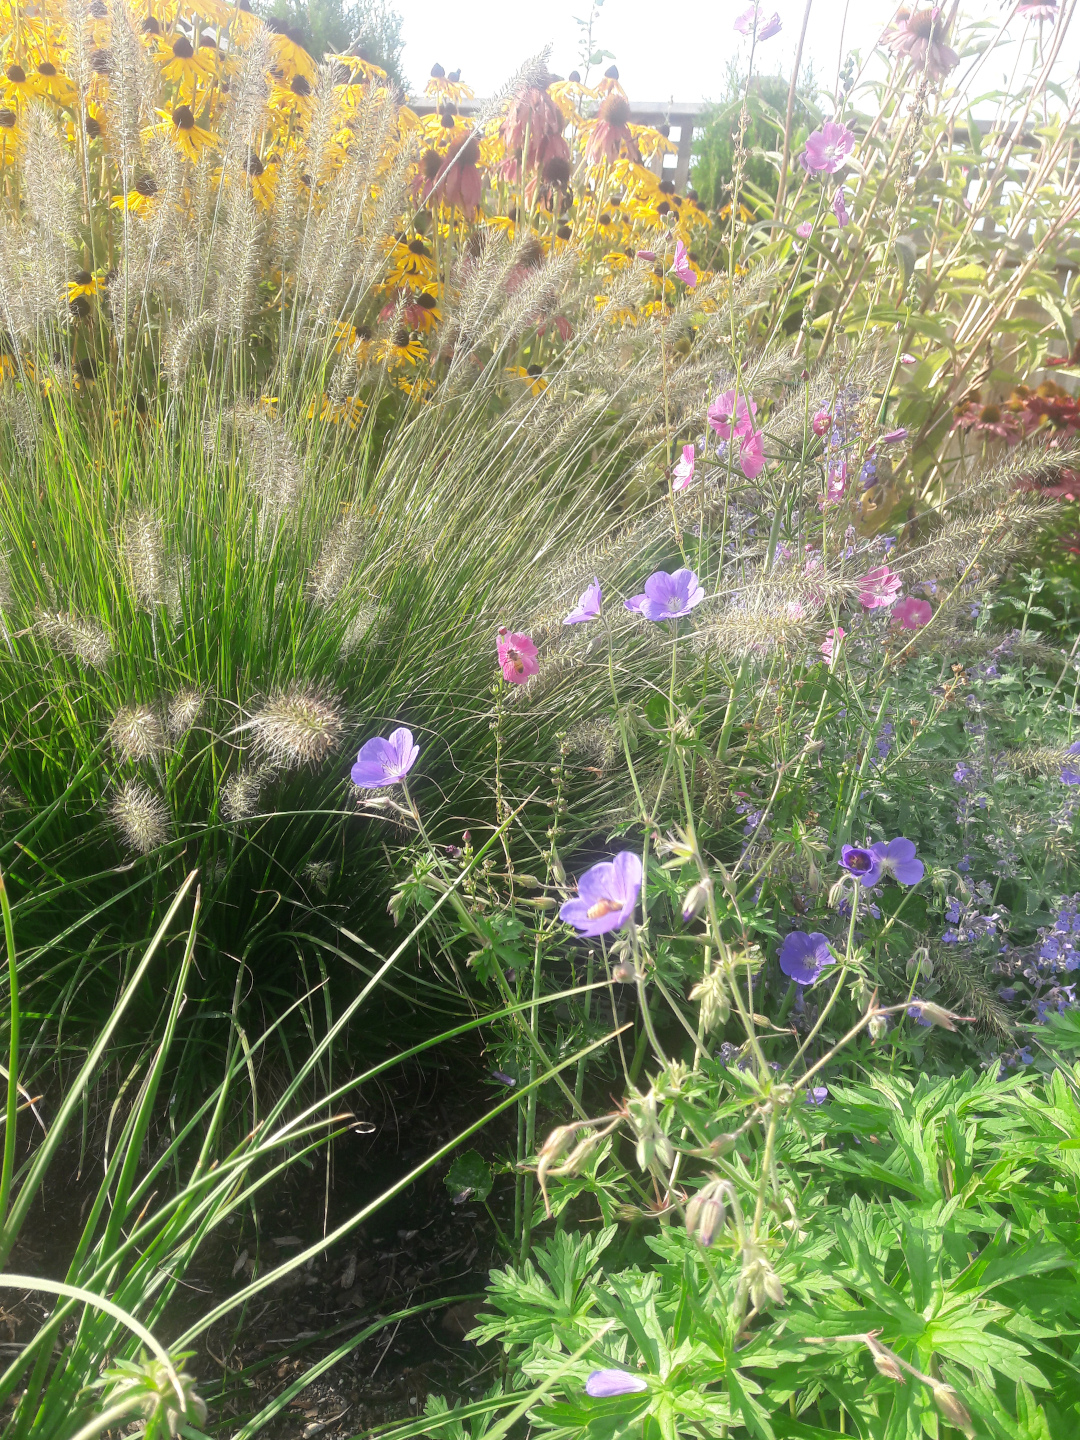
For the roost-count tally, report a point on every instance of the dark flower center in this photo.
(98, 10)
(93, 127)
(182, 48)
(83, 277)
(150, 26)
(299, 86)
(7, 118)
(253, 165)
(990, 415)
(401, 338)
(417, 247)
(47, 68)
(101, 61)
(146, 186)
(534, 370)
(182, 118)
(426, 301)
(430, 164)
(16, 74)
(615, 110)
(860, 860)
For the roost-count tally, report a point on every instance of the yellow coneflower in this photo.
(17, 87)
(263, 177)
(291, 98)
(188, 137)
(532, 375)
(354, 71)
(410, 261)
(417, 388)
(287, 55)
(85, 285)
(47, 81)
(181, 62)
(352, 340)
(349, 411)
(9, 135)
(401, 348)
(140, 198)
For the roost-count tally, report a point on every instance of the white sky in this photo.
(664, 51)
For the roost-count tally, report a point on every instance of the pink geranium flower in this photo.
(517, 656)
(770, 28)
(744, 23)
(910, 613)
(827, 149)
(683, 473)
(681, 267)
(830, 646)
(752, 455)
(836, 483)
(843, 219)
(805, 230)
(821, 423)
(726, 415)
(879, 587)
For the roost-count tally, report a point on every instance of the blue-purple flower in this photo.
(1070, 771)
(667, 597)
(803, 957)
(385, 762)
(897, 858)
(860, 861)
(607, 895)
(588, 605)
(817, 1094)
(916, 1013)
(602, 1384)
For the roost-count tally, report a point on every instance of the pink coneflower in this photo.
(517, 656)
(681, 267)
(683, 472)
(988, 419)
(532, 116)
(1038, 9)
(910, 613)
(458, 181)
(611, 132)
(920, 36)
(726, 414)
(879, 587)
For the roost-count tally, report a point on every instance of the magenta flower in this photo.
(836, 482)
(752, 455)
(517, 656)
(1070, 775)
(893, 437)
(726, 414)
(879, 587)
(667, 597)
(907, 359)
(602, 1384)
(827, 149)
(843, 219)
(830, 646)
(588, 605)
(683, 473)
(681, 267)
(803, 957)
(821, 422)
(862, 862)
(1038, 9)
(770, 28)
(649, 255)
(385, 762)
(897, 858)
(607, 895)
(912, 614)
(745, 22)
(805, 230)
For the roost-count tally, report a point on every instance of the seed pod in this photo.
(948, 1402)
(885, 1362)
(705, 1214)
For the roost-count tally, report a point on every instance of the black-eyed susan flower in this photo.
(85, 285)
(182, 63)
(288, 56)
(50, 84)
(401, 348)
(532, 375)
(17, 87)
(9, 134)
(140, 198)
(348, 411)
(188, 137)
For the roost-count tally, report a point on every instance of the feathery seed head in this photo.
(185, 707)
(85, 640)
(302, 725)
(338, 558)
(137, 733)
(241, 792)
(141, 816)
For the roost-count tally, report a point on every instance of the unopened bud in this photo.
(558, 874)
(878, 1027)
(624, 972)
(761, 1280)
(948, 1402)
(697, 897)
(885, 1362)
(939, 1016)
(538, 902)
(705, 1214)
(530, 882)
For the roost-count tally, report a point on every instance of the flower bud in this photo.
(624, 973)
(885, 1362)
(705, 1214)
(878, 1027)
(697, 897)
(948, 1402)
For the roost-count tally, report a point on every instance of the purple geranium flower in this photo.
(897, 858)
(828, 148)
(588, 605)
(916, 1013)
(667, 596)
(817, 1095)
(385, 762)
(803, 957)
(607, 895)
(840, 210)
(602, 1384)
(1070, 775)
(861, 862)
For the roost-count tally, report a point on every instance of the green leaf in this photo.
(469, 1172)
